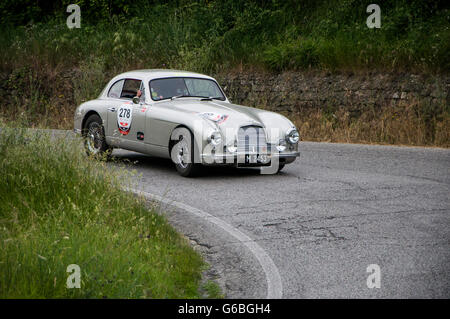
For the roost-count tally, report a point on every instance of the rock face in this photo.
(291, 92)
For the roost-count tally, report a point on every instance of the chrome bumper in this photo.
(238, 158)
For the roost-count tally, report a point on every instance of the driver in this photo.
(155, 95)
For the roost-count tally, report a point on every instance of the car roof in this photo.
(150, 74)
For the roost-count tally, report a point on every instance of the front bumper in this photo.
(238, 159)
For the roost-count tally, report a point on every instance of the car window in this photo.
(130, 88)
(116, 89)
(167, 88)
(201, 87)
(142, 88)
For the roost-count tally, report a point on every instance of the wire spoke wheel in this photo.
(94, 137)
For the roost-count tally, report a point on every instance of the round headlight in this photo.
(215, 138)
(293, 136)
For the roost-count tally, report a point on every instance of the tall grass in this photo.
(213, 36)
(414, 123)
(58, 207)
(333, 35)
(46, 69)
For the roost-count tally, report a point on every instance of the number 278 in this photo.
(124, 113)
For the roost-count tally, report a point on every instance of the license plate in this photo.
(256, 159)
(252, 159)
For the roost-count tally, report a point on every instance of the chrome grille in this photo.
(251, 139)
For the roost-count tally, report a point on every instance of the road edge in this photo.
(273, 278)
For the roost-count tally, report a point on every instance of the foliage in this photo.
(415, 123)
(213, 35)
(58, 207)
(47, 69)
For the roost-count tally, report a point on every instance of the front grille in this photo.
(251, 139)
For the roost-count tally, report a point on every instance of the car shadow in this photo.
(165, 166)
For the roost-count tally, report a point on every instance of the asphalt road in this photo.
(323, 220)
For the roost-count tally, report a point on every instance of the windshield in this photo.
(167, 88)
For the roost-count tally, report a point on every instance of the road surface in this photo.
(322, 221)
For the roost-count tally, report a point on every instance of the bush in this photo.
(215, 35)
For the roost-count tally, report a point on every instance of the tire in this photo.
(280, 167)
(94, 137)
(182, 153)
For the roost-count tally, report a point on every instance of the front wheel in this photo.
(182, 153)
(94, 137)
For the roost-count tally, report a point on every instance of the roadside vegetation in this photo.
(47, 69)
(405, 124)
(210, 36)
(58, 207)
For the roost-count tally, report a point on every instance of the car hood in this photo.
(234, 116)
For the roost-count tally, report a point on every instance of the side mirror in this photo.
(136, 100)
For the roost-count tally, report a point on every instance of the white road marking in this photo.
(273, 278)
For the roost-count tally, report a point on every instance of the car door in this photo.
(113, 102)
(126, 120)
(136, 133)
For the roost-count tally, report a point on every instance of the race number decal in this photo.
(215, 117)
(124, 118)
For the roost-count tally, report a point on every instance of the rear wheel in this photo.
(182, 153)
(94, 137)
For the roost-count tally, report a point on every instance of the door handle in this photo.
(112, 109)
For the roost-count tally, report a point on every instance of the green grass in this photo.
(58, 207)
(213, 36)
(213, 290)
(46, 69)
(332, 35)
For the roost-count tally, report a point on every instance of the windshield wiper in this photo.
(202, 98)
(178, 96)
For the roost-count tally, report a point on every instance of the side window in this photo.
(130, 88)
(116, 89)
(142, 88)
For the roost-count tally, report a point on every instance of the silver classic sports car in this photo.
(187, 118)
